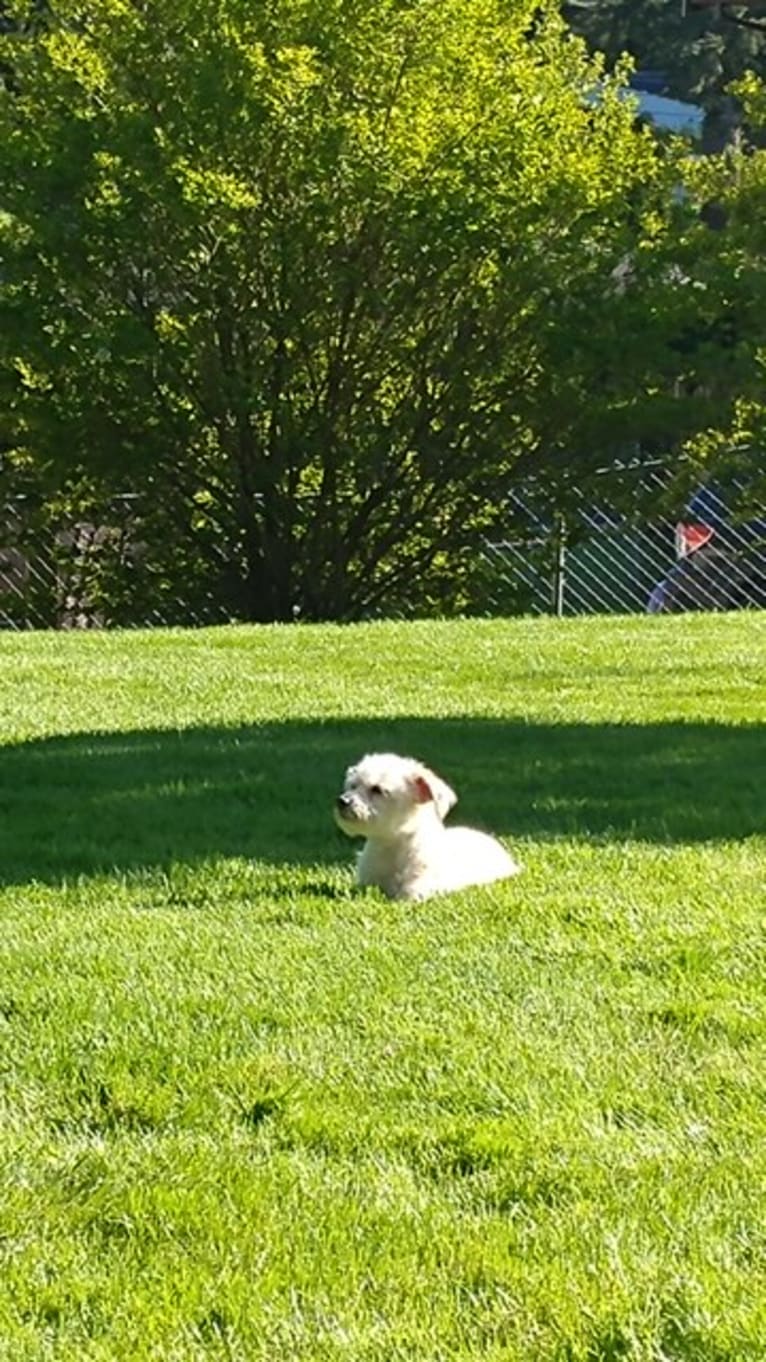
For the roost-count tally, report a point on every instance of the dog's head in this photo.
(384, 793)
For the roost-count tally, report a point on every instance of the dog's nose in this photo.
(343, 802)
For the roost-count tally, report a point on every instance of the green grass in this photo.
(249, 1112)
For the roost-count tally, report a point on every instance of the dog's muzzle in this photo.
(347, 815)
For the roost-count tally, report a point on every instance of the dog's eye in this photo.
(375, 790)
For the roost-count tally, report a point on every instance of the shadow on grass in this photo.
(124, 801)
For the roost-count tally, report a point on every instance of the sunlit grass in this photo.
(250, 1112)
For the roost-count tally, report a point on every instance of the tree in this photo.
(315, 281)
(733, 446)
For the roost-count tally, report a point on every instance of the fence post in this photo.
(559, 564)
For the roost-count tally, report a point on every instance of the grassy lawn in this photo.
(249, 1112)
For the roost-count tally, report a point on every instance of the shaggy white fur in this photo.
(399, 807)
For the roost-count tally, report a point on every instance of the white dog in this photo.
(399, 806)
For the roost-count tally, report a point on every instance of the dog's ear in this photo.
(431, 787)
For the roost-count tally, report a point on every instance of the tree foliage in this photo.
(734, 443)
(315, 281)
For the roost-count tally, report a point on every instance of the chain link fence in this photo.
(85, 574)
(591, 560)
(596, 561)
